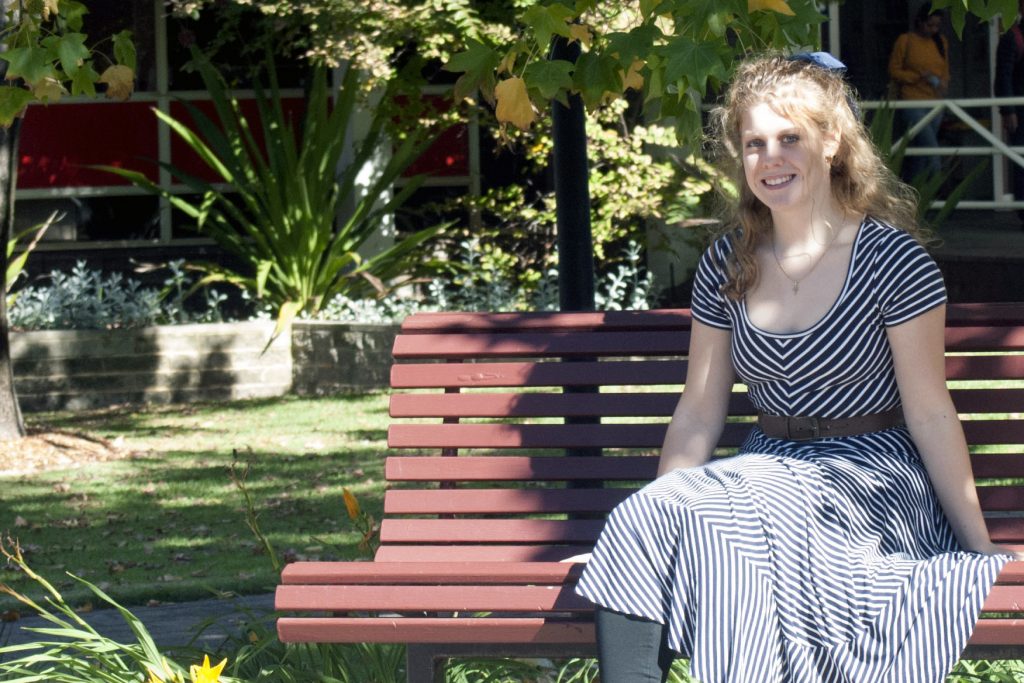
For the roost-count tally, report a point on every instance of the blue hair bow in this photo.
(824, 60)
(820, 59)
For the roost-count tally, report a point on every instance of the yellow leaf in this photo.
(48, 90)
(780, 6)
(581, 33)
(508, 62)
(120, 81)
(632, 78)
(351, 504)
(514, 104)
(206, 673)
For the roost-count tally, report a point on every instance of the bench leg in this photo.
(423, 664)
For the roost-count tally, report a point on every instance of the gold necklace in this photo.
(795, 282)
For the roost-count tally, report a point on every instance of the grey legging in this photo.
(631, 649)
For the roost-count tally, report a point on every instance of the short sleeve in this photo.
(908, 279)
(708, 302)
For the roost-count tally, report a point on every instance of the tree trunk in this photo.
(11, 424)
(572, 196)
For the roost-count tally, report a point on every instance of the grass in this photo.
(168, 523)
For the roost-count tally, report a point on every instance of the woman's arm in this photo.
(699, 416)
(897, 62)
(918, 351)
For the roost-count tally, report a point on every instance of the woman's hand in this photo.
(997, 549)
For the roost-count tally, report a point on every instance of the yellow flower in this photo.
(206, 673)
(351, 504)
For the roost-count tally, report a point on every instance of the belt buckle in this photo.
(802, 428)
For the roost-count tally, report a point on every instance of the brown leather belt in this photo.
(808, 428)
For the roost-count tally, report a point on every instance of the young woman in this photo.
(845, 541)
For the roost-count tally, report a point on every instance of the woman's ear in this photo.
(830, 144)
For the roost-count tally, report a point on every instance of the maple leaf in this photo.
(48, 90)
(120, 81)
(514, 104)
(581, 33)
(632, 78)
(780, 6)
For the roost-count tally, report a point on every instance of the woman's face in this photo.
(784, 166)
(930, 26)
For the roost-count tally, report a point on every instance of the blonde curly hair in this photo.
(822, 103)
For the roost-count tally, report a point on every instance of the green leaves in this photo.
(48, 54)
(548, 21)
(675, 52)
(31, 64)
(983, 9)
(12, 102)
(70, 50)
(279, 217)
(477, 64)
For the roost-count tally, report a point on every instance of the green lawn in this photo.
(168, 524)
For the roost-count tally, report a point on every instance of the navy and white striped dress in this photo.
(805, 562)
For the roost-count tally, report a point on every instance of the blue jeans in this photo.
(928, 137)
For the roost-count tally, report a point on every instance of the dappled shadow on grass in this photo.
(170, 525)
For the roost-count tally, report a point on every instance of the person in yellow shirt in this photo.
(919, 64)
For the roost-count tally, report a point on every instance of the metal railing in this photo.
(1001, 153)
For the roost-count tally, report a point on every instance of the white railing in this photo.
(1001, 153)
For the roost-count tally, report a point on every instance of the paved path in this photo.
(171, 625)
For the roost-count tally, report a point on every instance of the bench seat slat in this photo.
(498, 435)
(520, 501)
(437, 598)
(515, 501)
(470, 468)
(490, 530)
(494, 554)
(536, 344)
(647, 435)
(623, 344)
(624, 404)
(425, 573)
(503, 531)
(540, 374)
(428, 573)
(432, 630)
(515, 630)
(432, 322)
(489, 598)
(627, 373)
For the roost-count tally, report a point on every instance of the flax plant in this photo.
(276, 205)
(72, 651)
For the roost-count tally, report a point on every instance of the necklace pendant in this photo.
(796, 288)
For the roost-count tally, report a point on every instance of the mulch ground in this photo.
(48, 449)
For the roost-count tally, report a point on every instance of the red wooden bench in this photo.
(538, 425)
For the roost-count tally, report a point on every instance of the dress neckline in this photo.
(831, 309)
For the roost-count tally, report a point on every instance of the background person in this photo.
(919, 64)
(1009, 82)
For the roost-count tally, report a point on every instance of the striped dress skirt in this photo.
(826, 561)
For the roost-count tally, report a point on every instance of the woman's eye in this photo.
(791, 139)
(755, 143)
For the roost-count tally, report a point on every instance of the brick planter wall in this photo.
(76, 369)
(331, 357)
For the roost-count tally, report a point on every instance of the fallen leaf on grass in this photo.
(20, 521)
